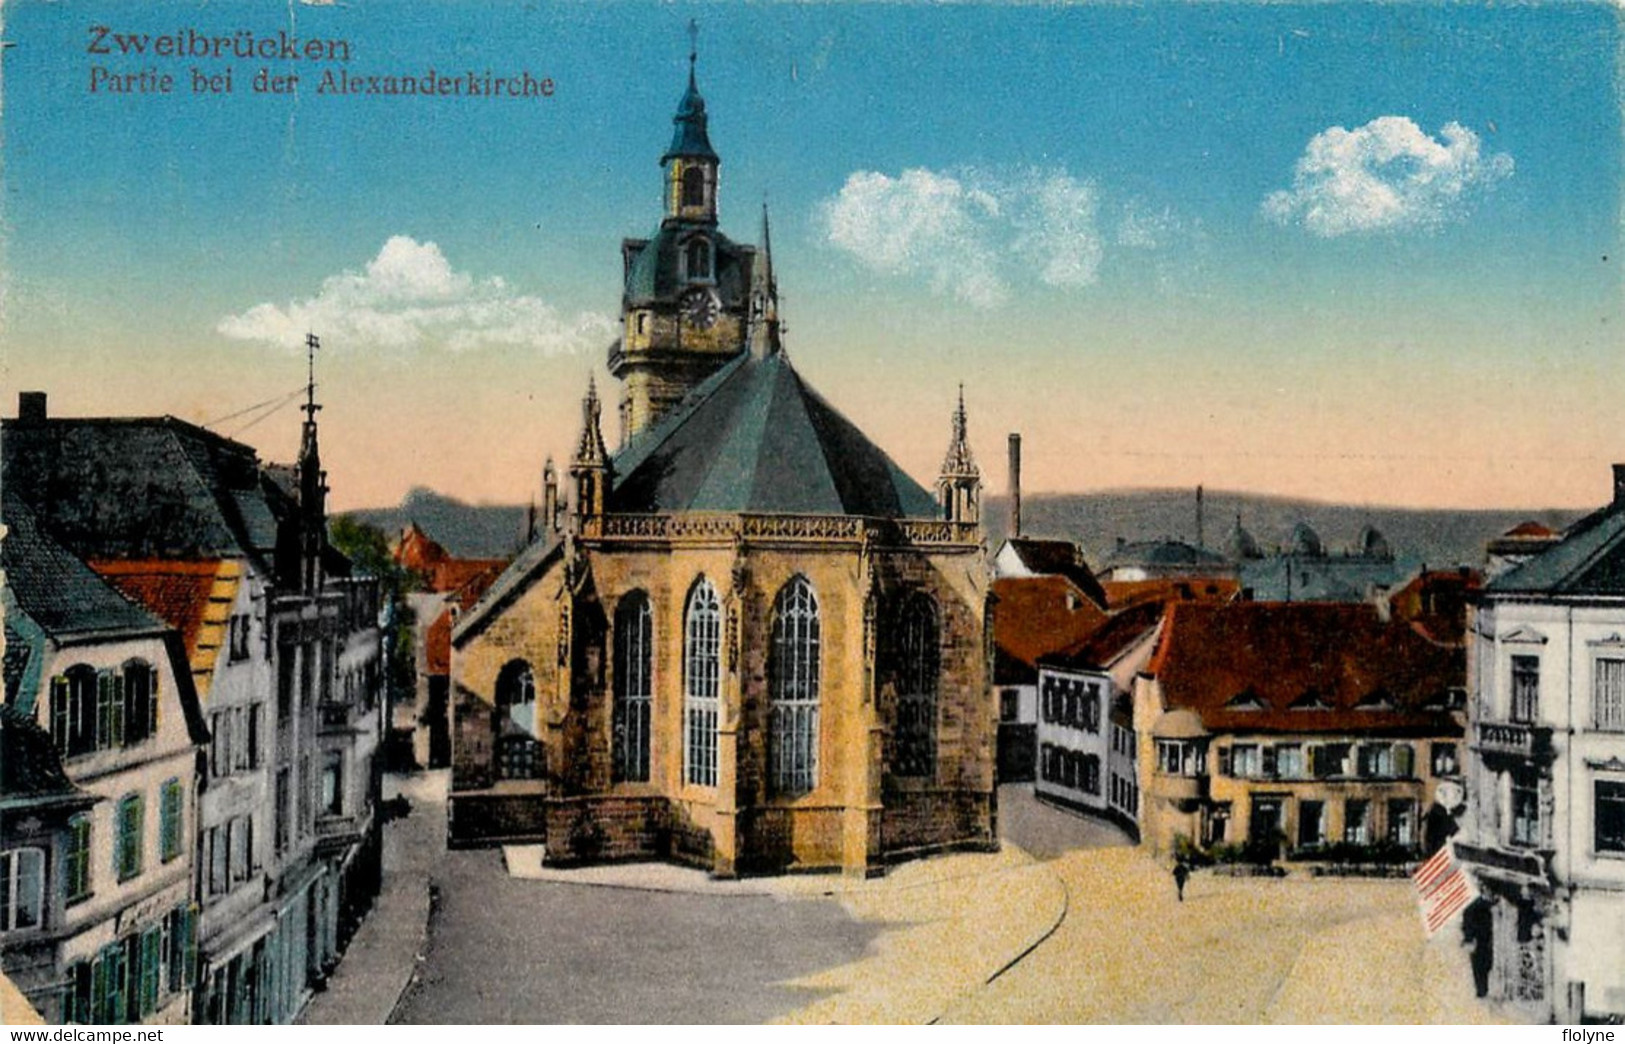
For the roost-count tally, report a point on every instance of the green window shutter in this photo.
(189, 951)
(104, 710)
(152, 698)
(1405, 760)
(98, 990)
(60, 719)
(151, 957)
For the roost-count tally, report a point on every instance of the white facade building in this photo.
(1545, 829)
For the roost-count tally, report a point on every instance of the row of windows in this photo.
(130, 979)
(227, 856)
(23, 870)
(1607, 692)
(1290, 761)
(794, 687)
(296, 809)
(235, 737)
(1125, 795)
(1360, 827)
(1070, 702)
(1070, 769)
(104, 709)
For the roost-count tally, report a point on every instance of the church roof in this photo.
(755, 438)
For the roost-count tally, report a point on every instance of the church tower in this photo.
(685, 299)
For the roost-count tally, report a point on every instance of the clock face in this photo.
(700, 307)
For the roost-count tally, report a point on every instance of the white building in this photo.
(1086, 740)
(1545, 829)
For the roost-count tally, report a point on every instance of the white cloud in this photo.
(1388, 175)
(972, 234)
(409, 296)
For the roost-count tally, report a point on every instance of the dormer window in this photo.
(698, 258)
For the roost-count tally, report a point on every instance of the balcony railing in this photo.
(1515, 740)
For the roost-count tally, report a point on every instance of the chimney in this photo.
(1619, 469)
(31, 408)
(1015, 483)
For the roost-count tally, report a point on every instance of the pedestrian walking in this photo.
(1182, 873)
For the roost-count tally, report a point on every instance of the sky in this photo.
(1355, 252)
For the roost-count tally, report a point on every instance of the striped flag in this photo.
(1443, 888)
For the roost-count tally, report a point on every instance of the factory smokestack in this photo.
(1015, 483)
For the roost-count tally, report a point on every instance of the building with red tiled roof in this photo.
(1086, 739)
(1293, 727)
(1517, 546)
(195, 597)
(1033, 616)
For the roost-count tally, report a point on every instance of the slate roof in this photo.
(1100, 648)
(652, 273)
(1588, 560)
(1057, 558)
(1368, 676)
(755, 438)
(61, 594)
(689, 138)
(30, 770)
(144, 487)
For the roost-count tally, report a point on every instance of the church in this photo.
(746, 640)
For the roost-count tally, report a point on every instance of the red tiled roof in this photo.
(1435, 602)
(1120, 594)
(1530, 529)
(417, 551)
(1368, 675)
(452, 574)
(177, 592)
(437, 644)
(1115, 635)
(1034, 617)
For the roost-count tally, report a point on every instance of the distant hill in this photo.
(1438, 538)
(466, 530)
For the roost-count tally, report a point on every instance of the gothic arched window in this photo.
(694, 187)
(699, 258)
(634, 689)
(918, 662)
(793, 690)
(702, 678)
(518, 755)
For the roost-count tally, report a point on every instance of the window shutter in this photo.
(98, 991)
(1404, 760)
(1224, 761)
(1269, 761)
(150, 950)
(59, 713)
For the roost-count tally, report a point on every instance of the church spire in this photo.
(590, 466)
(690, 161)
(312, 481)
(764, 298)
(959, 487)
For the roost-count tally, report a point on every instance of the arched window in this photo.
(919, 658)
(634, 689)
(694, 187)
(518, 755)
(699, 258)
(702, 676)
(793, 690)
